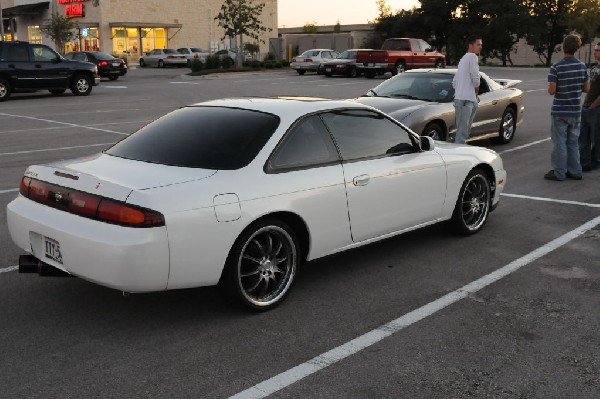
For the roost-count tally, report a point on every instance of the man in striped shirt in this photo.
(567, 79)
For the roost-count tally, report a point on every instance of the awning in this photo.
(24, 9)
(142, 25)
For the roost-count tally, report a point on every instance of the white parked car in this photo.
(232, 53)
(264, 185)
(310, 60)
(192, 53)
(162, 58)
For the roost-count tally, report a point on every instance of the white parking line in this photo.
(64, 123)
(372, 337)
(9, 269)
(65, 127)
(524, 146)
(531, 91)
(10, 190)
(54, 149)
(551, 200)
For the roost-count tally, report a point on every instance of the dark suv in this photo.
(28, 67)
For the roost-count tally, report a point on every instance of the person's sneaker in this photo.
(586, 168)
(572, 176)
(551, 176)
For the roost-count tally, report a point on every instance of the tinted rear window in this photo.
(196, 50)
(103, 56)
(200, 137)
(169, 51)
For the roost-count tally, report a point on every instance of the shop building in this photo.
(129, 28)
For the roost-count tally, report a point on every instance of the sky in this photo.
(293, 13)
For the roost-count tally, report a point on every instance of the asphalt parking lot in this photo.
(511, 312)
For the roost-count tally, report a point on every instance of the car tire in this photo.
(142, 63)
(435, 131)
(353, 72)
(161, 64)
(508, 126)
(81, 85)
(261, 265)
(301, 71)
(57, 92)
(473, 204)
(113, 77)
(399, 68)
(5, 90)
(440, 64)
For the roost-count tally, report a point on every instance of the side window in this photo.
(17, 53)
(425, 46)
(416, 46)
(79, 57)
(43, 53)
(483, 86)
(307, 144)
(365, 134)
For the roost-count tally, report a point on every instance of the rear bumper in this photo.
(127, 259)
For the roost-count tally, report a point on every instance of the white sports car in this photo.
(240, 192)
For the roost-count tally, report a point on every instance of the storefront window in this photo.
(126, 41)
(86, 40)
(34, 34)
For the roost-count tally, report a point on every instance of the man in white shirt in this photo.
(466, 89)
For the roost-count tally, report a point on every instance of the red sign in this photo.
(74, 10)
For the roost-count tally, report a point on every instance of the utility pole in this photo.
(1, 23)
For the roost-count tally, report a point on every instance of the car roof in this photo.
(290, 106)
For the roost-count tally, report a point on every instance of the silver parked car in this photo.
(162, 58)
(192, 53)
(422, 99)
(310, 60)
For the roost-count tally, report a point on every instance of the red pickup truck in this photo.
(398, 55)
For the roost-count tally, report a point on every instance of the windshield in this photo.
(348, 55)
(417, 86)
(200, 137)
(309, 53)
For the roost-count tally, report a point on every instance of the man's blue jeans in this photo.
(465, 113)
(589, 137)
(565, 154)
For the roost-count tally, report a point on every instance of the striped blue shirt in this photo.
(569, 74)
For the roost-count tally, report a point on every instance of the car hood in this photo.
(396, 107)
(114, 177)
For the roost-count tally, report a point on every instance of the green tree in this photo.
(586, 20)
(239, 18)
(60, 29)
(252, 48)
(310, 27)
(548, 25)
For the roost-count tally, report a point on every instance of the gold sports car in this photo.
(422, 99)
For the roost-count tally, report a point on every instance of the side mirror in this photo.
(427, 143)
(429, 49)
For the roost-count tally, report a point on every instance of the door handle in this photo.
(495, 102)
(361, 180)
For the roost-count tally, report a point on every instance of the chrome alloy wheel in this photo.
(3, 90)
(508, 126)
(82, 85)
(475, 202)
(267, 265)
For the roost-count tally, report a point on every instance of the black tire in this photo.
(473, 204)
(142, 63)
(353, 72)
(399, 68)
(508, 127)
(113, 77)
(301, 71)
(440, 64)
(369, 74)
(57, 91)
(261, 265)
(435, 131)
(5, 90)
(161, 64)
(81, 85)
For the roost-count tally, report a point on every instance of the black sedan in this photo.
(108, 66)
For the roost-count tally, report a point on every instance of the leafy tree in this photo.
(239, 18)
(60, 29)
(548, 25)
(586, 20)
(252, 48)
(310, 27)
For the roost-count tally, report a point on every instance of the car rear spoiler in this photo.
(508, 82)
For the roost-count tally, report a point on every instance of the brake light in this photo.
(102, 63)
(308, 60)
(196, 55)
(171, 56)
(89, 205)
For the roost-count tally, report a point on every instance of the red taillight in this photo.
(293, 60)
(24, 187)
(84, 204)
(38, 191)
(89, 205)
(196, 55)
(308, 60)
(103, 63)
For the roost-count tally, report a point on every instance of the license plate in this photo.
(115, 64)
(52, 248)
(327, 69)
